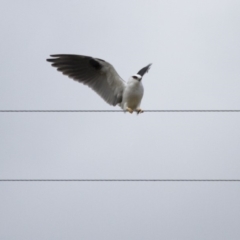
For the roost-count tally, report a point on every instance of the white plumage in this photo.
(132, 95)
(103, 79)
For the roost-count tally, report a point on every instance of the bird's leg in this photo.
(129, 110)
(139, 110)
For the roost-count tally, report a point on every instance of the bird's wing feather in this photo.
(144, 70)
(93, 72)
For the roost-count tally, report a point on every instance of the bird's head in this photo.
(136, 77)
(139, 75)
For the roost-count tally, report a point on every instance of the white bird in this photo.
(103, 79)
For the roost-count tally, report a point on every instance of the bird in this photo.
(102, 77)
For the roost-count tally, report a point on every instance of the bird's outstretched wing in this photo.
(95, 73)
(144, 70)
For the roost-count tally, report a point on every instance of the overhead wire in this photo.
(119, 180)
(118, 111)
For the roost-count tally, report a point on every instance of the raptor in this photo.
(103, 79)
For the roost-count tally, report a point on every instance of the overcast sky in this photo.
(195, 50)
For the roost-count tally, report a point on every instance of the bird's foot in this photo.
(139, 110)
(129, 110)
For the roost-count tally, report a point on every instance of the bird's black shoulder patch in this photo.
(95, 64)
(100, 59)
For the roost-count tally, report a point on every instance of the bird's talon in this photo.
(129, 110)
(139, 111)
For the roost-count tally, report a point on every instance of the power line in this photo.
(119, 180)
(115, 111)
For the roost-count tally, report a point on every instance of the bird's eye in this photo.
(135, 77)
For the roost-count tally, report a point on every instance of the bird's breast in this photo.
(133, 94)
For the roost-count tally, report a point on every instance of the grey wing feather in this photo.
(93, 72)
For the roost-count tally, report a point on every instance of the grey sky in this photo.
(195, 50)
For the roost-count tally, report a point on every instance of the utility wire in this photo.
(115, 111)
(119, 180)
